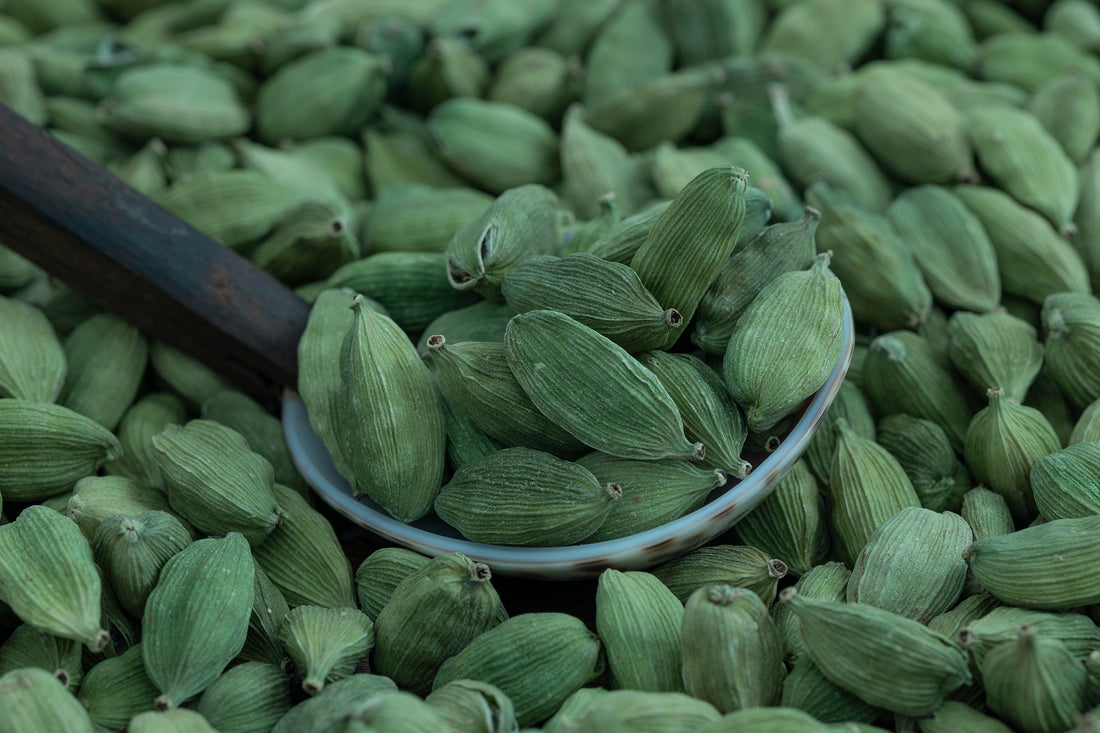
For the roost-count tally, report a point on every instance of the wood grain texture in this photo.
(123, 252)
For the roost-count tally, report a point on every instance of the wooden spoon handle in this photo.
(125, 253)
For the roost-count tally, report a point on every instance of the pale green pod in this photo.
(48, 448)
(401, 712)
(1076, 631)
(235, 207)
(497, 27)
(673, 168)
(19, 89)
(884, 286)
(466, 442)
(262, 430)
(449, 67)
(692, 238)
(625, 238)
(955, 716)
(1047, 397)
(592, 165)
(537, 79)
(183, 162)
(95, 498)
(389, 413)
(624, 710)
(144, 419)
(397, 157)
(812, 149)
(482, 321)
(176, 720)
(931, 220)
(739, 566)
(493, 500)
(1087, 427)
(733, 653)
(303, 558)
(185, 375)
(419, 218)
(330, 319)
(477, 375)
(654, 492)
(296, 168)
(1077, 20)
(761, 258)
(912, 128)
(987, 513)
(326, 644)
(327, 92)
(785, 344)
(248, 698)
(1066, 483)
(309, 243)
(432, 615)
(574, 25)
(790, 523)
(768, 720)
(903, 375)
(144, 170)
(710, 413)
(1036, 684)
(321, 712)
(215, 481)
(1071, 327)
(1016, 567)
(630, 48)
(638, 619)
(1003, 443)
(196, 618)
(32, 699)
(578, 285)
(931, 30)
(912, 564)
(1026, 161)
(536, 659)
(269, 609)
(116, 689)
(177, 103)
(1027, 59)
(867, 486)
(474, 707)
(574, 707)
(995, 350)
(664, 107)
(16, 270)
(495, 145)
(33, 365)
(968, 610)
(828, 32)
(381, 572)
(924, 452)
(48, 577)
(131, 550)
(806, 688)
(26, 646)
(1068, 97)
(1087, 218)
(884, 659)
(521, 223)
(561, 364)
(851, 404)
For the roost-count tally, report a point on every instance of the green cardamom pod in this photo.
(477, 707)
(324, 710)
(995, 350)
(250, 696)
(390, 418)
(106, 358)
(381, 572)
(493, 500)
(954, 716)
(829, 32)
(29, 647)
(420, 218)
(739, 566)
(48, 576)
(132, 550)
(32, 699)
(1071, 326)
(196, 618)
(733, 653)
(116, 689)
(806, 688)
(924, 452)
(827, 582)
(561, 364)
(1066, 483)
(592, 165)
(96, 498)
(638, 620)
(326, 644)
(851, 404)
(262, 430)
(269, 609)
(431, 616)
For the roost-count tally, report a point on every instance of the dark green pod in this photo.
(995, 350)
(381, 572)
(791, 522)
(1066, 483)
(117, 689)
(925, 453)
(249, 696)
(739, 566)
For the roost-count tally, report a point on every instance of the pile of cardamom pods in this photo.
(572, 263)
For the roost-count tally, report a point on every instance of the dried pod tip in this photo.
(100, 641)
(700, 452)
(163, 704)
(335, 228)
(787, 594)
(771, 445)
(312, 687)
(812, 214)
(1067, 230)
(965, 637)
(62, 676)
(673, 318)
(744, 470)
(777, 568)
(288, 666)
(357, 302)
(722, 595)
(1025, 634)
(721, 476)
(436, 342)
(480, 572)
(614, 491)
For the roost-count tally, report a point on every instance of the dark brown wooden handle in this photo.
(125, 253)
